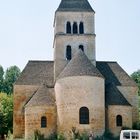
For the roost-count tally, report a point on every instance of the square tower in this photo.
(74, 29)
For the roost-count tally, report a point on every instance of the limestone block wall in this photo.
(72, 93)
(62, 39)
(131, 94)
(87, 18)
(33, 120)
(124, 111)
(61, 43)
(22, 93)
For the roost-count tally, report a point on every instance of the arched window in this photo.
(81, 47)
(81, 28)
(84, 115)
(68, 53)
(75, 28)
(43, 122)
(119, 120)
(68, 28)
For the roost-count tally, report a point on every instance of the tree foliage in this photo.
(1, 77)
(8, 78)
(6, 113)
(136, 77)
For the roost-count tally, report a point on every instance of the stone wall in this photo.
(87, 18)
(33, 120)
(22, 93)
(124, 111)
(62, 40)
(72, 93)
(131, 95)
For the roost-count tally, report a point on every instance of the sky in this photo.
(26, 31)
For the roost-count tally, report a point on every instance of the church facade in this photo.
(74, 90)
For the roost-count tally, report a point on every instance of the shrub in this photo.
(38, 135)
(76, 136)
(99, 138)
(136, 126)
(108, 134)
(6, 114)
(9, 136)
(60, 137)
(126, 128)
(84, 136)
(75, 133)
(53, 136)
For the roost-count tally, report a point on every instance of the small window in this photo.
(119, 120)
(43, 122)
(81, 28)
(135, 135)
(81, 47)
(84, 115)
(126, 135)
(68, 53)
(75, 28)
(68, 28)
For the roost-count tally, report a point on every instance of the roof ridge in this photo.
(40, 61)
(80, 65)
(106, 61)
(31, 98)
(114, 96)
(75, 5)
(41, 98)
(114, 73)
(36, 73)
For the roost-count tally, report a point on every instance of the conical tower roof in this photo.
(80, 65)
(75, 5)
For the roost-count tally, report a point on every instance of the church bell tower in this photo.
(73, 29)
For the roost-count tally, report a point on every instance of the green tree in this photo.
(6, 113)
(136, 77)
(11, 75)
(1, 78)
(3, 125)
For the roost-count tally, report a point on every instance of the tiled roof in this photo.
(114, 76)
(37, 73)
(43, 96)
(113, 73)
(113, 96)
(75, 5)
(80, 65)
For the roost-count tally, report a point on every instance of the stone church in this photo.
(74, 90)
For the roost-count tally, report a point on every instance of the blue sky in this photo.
(26, 31)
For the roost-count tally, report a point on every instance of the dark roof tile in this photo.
(114, 97)
(37, 73)
(113, 73)
(80, 65)
(75, 5)
(43, 96)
